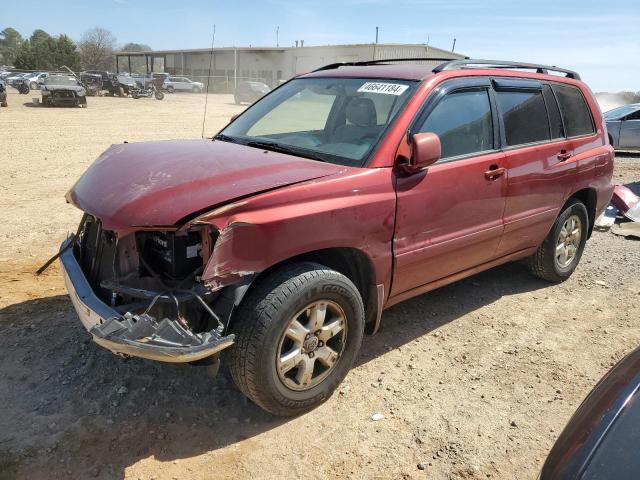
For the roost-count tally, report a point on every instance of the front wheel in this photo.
(171, 89)
(297, 335)
(159, 95)
(559, 255)
(34, 86)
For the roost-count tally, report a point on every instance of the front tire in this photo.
(171, 89)
(559, 255)
(159, 95)
(297, 335)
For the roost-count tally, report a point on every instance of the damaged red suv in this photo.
(337, 195)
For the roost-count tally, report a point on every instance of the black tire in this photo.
(135, 95)
(170, 89)
(34, 86)
(544, 264)
(260, 325)
(4, 104)
(159, 95)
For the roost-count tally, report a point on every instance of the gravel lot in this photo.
(475, 380)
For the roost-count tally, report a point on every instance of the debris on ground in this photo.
(627, 229)
(625, 200)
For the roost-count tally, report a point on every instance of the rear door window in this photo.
(463, 122)
(574, 109)
(524, 115)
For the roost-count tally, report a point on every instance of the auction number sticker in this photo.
(386, 88)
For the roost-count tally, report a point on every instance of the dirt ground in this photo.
(475, 380)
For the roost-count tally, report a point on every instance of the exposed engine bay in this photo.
(151, 281)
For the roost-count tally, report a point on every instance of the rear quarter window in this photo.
(574, 109)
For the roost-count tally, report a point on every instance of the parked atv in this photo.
(22, 86)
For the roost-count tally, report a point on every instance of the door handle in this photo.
(494, 172)
(564, 155)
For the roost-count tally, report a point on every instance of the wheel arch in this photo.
(589, 198)
(353, 263)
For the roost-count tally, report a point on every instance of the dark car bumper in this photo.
(113, 331)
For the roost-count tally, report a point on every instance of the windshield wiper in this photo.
(225, 138)
(278, 147)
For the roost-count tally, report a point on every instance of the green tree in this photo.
(44, 52)
(10, 41)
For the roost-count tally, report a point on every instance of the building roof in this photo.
(429, 50)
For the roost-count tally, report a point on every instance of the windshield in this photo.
(620, 112)
(60, 81)
(338, 120)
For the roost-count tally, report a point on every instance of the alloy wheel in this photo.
(568, 241)
(311, 345)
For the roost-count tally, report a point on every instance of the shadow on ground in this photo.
(74, 410)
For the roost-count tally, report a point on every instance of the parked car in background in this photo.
(601, 439)
(250, 92)
(343, 192)
(32, 79)
(63, 90)
(623, 126)
(182, 84)
(14, 77)
(110, 82)
(3, 94)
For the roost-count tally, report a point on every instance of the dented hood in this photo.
(160, 183)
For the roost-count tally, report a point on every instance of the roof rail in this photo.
(364, 63)
(471, 63)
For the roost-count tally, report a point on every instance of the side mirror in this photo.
(425, 151)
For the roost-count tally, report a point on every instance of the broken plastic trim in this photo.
(134, 335)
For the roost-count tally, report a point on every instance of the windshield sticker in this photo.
(386, 88)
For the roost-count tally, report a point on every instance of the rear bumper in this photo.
(120, 333)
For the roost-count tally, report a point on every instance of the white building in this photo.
(230, 65)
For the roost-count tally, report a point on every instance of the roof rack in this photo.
(471, 63)
(333, 66)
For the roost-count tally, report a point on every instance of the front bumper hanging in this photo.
(134, 335)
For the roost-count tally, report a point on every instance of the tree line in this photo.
(95, 50)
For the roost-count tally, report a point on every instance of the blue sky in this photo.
(599, 40)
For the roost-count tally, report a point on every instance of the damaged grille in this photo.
(152, 274)
(64, 94)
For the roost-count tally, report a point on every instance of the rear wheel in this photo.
(171, 89)
(559, 255)
(159, 95)
(297, 335)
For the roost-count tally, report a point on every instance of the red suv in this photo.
(340, 193)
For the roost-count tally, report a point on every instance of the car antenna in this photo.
(206, 98)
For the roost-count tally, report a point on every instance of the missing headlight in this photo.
(171, 255)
